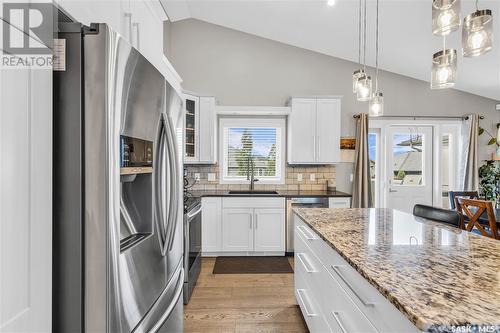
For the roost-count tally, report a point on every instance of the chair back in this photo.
(449, 217)
(473, 210)
(453, 195)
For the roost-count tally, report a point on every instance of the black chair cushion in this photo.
(438, 214)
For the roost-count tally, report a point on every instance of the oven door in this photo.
(192, 250)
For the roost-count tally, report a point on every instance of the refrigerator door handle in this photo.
(158, 179)
(174, 211)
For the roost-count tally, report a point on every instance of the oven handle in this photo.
(191, 214)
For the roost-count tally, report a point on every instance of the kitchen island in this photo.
(382, 270)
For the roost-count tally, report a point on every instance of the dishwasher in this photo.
(306, 202)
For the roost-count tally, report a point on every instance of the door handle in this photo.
(128, 16)
(306, 306)
(256, 222)
(137, 35)
(392, 190)
(303, 260)
(306, 233)
(251, 222)
(336, 316)
(336, 269)
(174, 209)
(158, 180)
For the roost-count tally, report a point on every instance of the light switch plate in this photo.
(299, 177)
(312, 177)
(197, 177)
(211, 177)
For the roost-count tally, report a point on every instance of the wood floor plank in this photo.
(224, 303)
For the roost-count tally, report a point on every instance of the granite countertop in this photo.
(281, 193)
(437, 276)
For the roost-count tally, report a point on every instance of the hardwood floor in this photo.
(242, 303)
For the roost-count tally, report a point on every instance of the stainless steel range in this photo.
(192, 244)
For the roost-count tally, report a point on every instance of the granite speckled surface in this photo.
(437, 276)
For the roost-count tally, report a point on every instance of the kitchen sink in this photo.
(253, 192)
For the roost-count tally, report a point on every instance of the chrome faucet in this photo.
(250, 173)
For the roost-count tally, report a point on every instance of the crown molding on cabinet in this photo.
(253, 110)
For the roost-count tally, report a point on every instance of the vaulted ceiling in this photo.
(406, 40)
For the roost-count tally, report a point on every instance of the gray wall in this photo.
(243, 69)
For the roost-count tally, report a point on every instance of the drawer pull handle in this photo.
(336, 269)
(336, 316)
(308, 312)
(306, 233)
(303, 259)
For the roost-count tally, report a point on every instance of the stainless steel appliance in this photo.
(303, 202)
(192, 244)
(118, 240)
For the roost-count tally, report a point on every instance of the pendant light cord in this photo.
(364, 37)
(376, 52)
(477, 6)
(359, 33)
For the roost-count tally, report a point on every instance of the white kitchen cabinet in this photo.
(200, 137)
(237, 229)
(314, 131)
(269, 230)
(329, 289)
(339, 202)
(253, 226)
(211, 225)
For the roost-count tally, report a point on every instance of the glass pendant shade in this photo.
(445, 16)
(364, 87)
(444, 69)
(477, 33)
(377, 105)
(355, 77)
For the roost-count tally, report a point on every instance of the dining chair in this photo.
(474, 209)
(453, 195)
(446, 216)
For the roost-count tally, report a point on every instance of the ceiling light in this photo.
(377, 105)
(444, 69)
(364, 93)
(331, 3)
(355, 77)
(445, 16)
(477, 33)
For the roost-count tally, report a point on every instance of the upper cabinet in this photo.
(200, 137)
(139, 22)
(314, 131)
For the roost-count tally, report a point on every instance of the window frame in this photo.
(251, 122)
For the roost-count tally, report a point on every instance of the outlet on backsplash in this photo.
(311, 178)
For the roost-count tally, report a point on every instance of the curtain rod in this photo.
(425, 117)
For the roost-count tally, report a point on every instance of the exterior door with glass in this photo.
(409, 167)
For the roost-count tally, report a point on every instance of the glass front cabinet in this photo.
(200, 130)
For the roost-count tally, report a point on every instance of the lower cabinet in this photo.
(340, 202)
(237, 230)
(333, 296)
(243, 226)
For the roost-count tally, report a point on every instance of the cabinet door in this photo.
(328, 131)
(207, 130)
(237, 230)
(339, 203)
(191, 126)
(302, 131)
(269, 226)
(211, 225)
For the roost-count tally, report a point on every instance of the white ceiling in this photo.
(406, 40)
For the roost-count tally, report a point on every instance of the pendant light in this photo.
(477, 33)
(364, 86)
(359, 72)
(376, 107)
(445, 16)
(444, 68)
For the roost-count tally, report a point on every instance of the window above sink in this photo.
(252, 142)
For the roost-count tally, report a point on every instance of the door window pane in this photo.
(407, 159)
(445, 170)
(372, 151)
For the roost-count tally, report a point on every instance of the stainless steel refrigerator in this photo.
(118, 239)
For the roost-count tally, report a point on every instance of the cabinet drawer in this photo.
(310, 306)
(252, 202)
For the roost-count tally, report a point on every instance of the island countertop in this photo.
(437, 276)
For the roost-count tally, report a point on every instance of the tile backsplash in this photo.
(322, 175)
